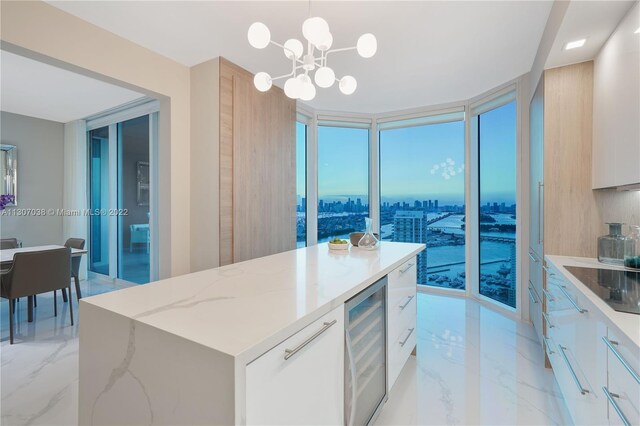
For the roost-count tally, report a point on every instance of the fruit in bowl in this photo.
(338, 244)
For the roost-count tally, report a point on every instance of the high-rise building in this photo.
(435, 205)
(304, 204)
(417, 204)
(411, 227)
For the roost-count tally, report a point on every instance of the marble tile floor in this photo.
(39, 372)
(474, 366)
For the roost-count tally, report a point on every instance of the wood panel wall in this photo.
(257, 168)
(571, 219)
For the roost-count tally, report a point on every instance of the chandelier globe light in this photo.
(299, 83)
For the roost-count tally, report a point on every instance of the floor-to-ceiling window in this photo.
(422, 193)
(134, 186)
(98, 140)
(301, 184)
(343, 181)
(120, 196)
(497, 144)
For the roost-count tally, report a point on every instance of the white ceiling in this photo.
(428, 52)
(32, 88)
(593, 20)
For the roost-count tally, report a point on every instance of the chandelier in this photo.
(299, 84)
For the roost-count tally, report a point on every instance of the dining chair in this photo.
(8, 243)
(36, 272)
(76, 243)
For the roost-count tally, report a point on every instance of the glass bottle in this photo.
(632, 248)
(368, 240)
(611, 246)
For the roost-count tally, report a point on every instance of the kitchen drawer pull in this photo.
(548, 271)
(406, 303)
(548, 346)
(615, 406)
(575, 305)
(610, 344)
(573, 373)
(404, 342)
(546, 318)
(549, 296)
(533, 257)
(406, 268)
(531, 296)
(288, 353)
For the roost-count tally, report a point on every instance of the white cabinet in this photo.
(535, 311)
(300, 381)
(574, 328)
(616, 107)
(623, 387)
(401, 314)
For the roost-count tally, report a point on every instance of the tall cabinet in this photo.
(242, 167)
(563, 211)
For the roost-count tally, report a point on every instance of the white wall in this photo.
(40, 178)
(42, 32)
(205, 160)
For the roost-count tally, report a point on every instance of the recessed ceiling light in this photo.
(575, 44)
(637, 31)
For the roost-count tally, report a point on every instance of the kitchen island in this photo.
(177, 351)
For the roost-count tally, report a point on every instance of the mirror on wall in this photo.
(9, 172)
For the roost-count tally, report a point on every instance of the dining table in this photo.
(6, 259)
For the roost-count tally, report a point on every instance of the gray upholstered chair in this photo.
(8, 243)
(76, 243)
(36, 272)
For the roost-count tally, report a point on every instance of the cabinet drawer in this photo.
(402, 282)
(399, 350)
(535, 271)
(535, 311)
(306, 388)
(622, 386)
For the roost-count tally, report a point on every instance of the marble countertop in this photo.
(246, 308)
(628, 324)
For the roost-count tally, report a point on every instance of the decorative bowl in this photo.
(338, 246)
(354, 237)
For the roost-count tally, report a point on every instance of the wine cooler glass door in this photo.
(365, 355)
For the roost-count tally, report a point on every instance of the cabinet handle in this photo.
(618, 355)
(548, 271)
(615, 406)
(546, 318)
(573, 373)
(540, 185)
(548, 346)
(406, 303)
(352, 369)
(288, 353)
(404, 342)
(548, 295)
(575, 305)
(406, 268)
(533, 257)
(531, 296)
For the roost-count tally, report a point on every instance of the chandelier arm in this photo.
(282, 76)
(343, 49)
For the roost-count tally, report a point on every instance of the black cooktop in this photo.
(620, 289)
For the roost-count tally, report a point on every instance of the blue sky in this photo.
(422, 162)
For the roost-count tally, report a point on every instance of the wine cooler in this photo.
(365, 354)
